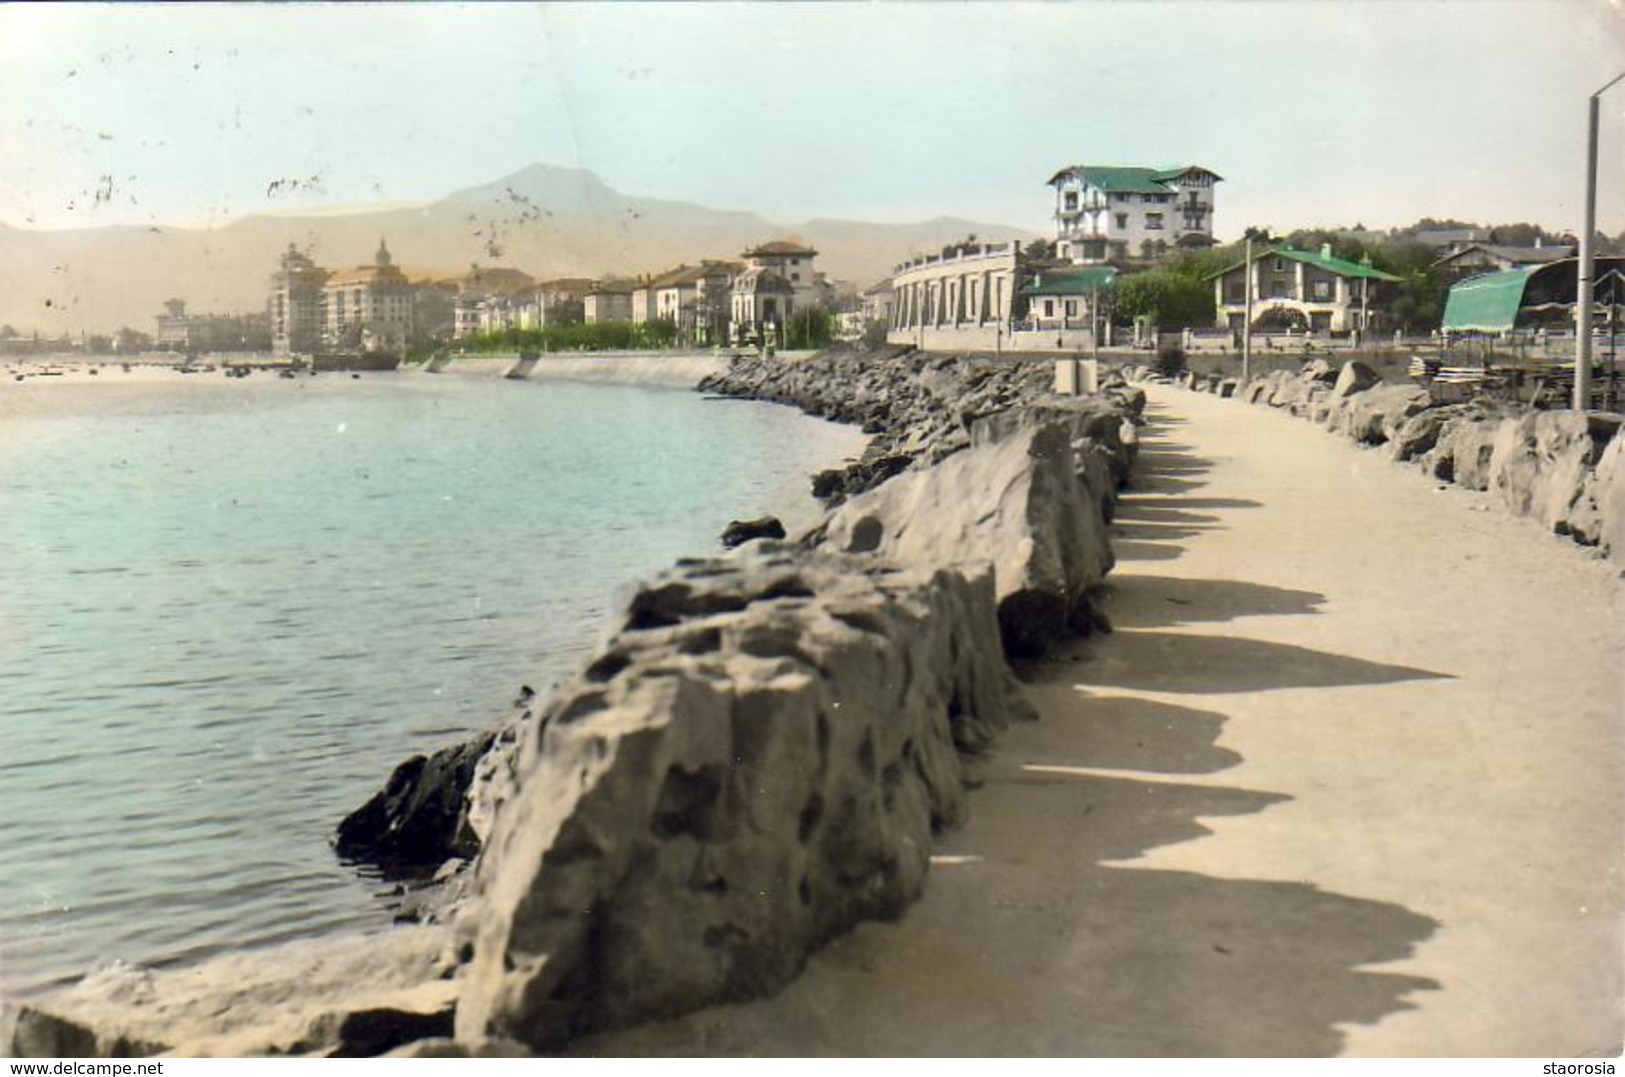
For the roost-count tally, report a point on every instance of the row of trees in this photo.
(813, 328)
(126, 341)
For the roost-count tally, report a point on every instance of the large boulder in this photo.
(346, 996)
(1019, 499)
(1542, 462)
(1604, 525)
(1417, 435)
(761, 766)
(1377, 414)
(1354, 377)
(1463, 451)
(1312, 403)
(1318, 370)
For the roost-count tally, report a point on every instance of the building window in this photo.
(1122, 220)
(1072, 200)
(1280, 265)
(1323, 290)
(1153, 221)
(1049, 308)
(1071, 308)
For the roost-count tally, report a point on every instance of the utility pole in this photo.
(1247, 318)
(1588, 261)
(1094, 323)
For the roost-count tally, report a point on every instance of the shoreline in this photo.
(79, 398)
(937, 426)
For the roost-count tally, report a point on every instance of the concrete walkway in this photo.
(1345, 780)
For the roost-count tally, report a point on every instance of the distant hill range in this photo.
(549, 222)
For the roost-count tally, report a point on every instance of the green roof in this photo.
(1072, 281)
(1115, 179)
(1341, 266)
(1124, 180)
(1487, 303)
(1168, 175)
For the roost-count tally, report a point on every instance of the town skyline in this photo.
(179, 117)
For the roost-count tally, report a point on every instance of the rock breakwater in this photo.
(918, 407)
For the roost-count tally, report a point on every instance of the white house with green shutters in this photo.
(1303, 289)
(1111, 213)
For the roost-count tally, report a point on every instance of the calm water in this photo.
(227, 610)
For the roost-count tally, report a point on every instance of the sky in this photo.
(1372, 112)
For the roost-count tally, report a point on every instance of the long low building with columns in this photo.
(960, 298)
(966, 298)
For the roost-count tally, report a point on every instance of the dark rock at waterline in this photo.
(420, 818)
(739, 532)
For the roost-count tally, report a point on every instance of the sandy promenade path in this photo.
(1346, 779)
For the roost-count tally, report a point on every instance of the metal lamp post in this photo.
(1588, 260)
(1247, 317)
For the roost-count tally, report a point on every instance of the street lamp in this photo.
(1247, 314)
(1588, 261)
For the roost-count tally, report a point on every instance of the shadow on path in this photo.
(1081, 729)
(1174, 662)
(1159, 601)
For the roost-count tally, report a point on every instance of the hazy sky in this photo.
(1335, 113)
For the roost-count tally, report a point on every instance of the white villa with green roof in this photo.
(1302, 289)
(1108, 213)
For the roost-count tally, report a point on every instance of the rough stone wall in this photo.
(1020, 499)
(757, 762)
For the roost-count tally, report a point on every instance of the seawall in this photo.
(754, 761)
(674, 370)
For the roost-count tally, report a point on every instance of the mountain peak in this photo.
(547, 187)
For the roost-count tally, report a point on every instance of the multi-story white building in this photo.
(794, 263)
(1119, 214)
(368, 307)
(296, 304)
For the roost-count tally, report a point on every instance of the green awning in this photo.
(1487, 303)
